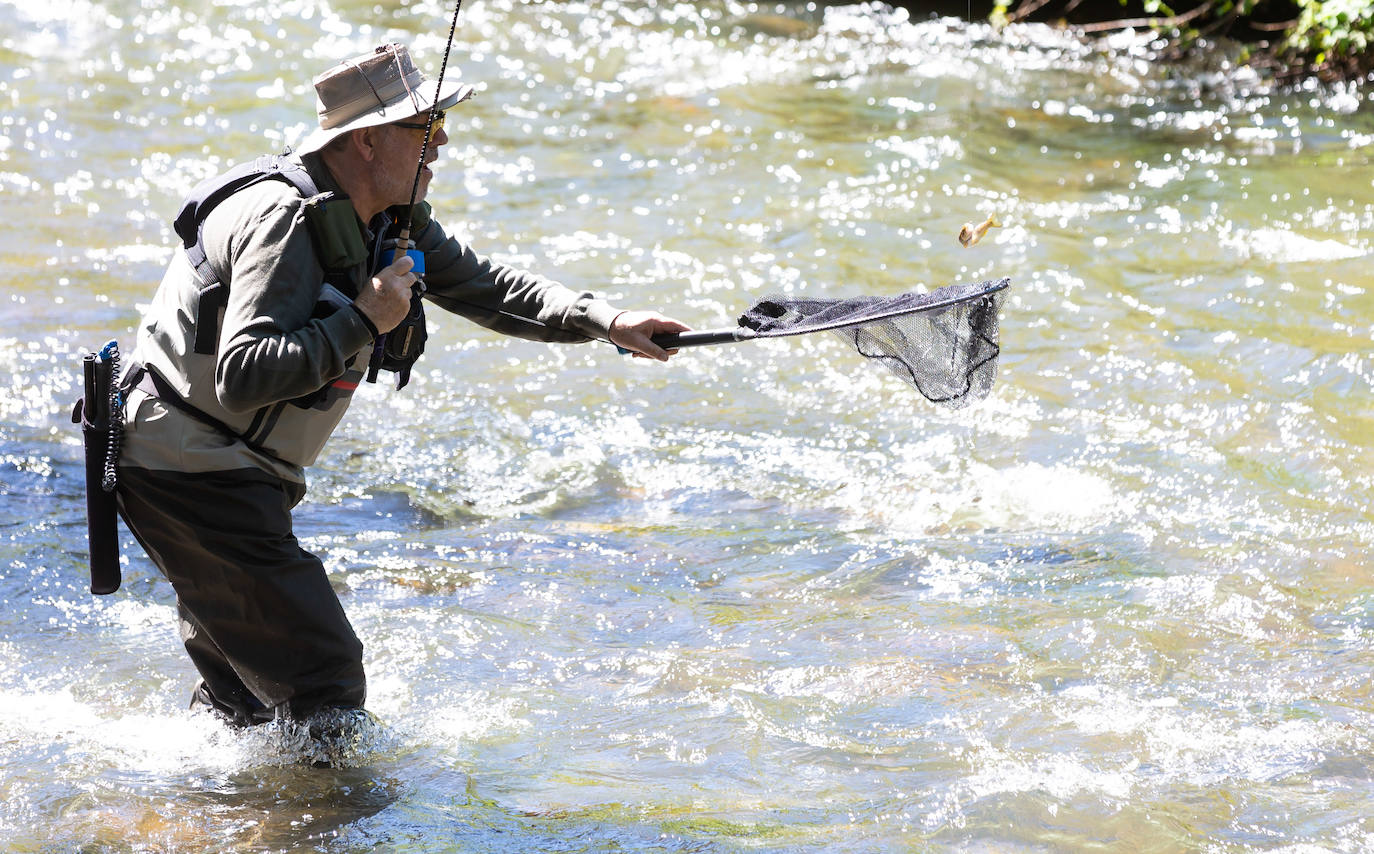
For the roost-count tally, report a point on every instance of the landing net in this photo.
(942, 343)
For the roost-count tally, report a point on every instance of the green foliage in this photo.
(1333, 30)
(1155, 7)
(998, 18)
(1330, 39)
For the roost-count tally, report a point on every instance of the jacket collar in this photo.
(326, 182)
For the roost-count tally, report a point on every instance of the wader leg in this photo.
(258, 613)
(220, 688)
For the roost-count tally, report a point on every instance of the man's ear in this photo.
(365, 141)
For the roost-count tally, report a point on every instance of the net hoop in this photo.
(943, 302)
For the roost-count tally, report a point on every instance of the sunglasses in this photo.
(434, 128)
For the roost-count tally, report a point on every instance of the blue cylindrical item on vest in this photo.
(398, 349)
(416, 255)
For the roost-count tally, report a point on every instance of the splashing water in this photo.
(727, 604)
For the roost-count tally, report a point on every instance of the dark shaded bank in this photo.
(1287, 39)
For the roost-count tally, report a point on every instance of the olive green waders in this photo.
(258, 616)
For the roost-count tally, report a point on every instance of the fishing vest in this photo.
(176, 357)
(330, 220)
(190, 221)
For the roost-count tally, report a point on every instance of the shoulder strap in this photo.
(190, 223)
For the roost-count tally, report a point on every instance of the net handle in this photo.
(701, 337)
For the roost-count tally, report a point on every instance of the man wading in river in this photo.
(259, 333)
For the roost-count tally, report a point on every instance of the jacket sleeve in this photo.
(509, 301)
(273, 343)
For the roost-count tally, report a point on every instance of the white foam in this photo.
(1288, 247)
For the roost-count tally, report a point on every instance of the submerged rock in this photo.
(777, 25)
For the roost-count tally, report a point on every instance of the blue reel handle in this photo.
(389, 255)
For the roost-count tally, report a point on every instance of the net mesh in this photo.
(942, 343)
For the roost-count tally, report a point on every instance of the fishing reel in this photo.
(397, 350)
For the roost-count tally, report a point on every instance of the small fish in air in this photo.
(971, 234)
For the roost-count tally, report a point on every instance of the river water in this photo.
(764, 597)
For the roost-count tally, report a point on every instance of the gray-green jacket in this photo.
(287, 334)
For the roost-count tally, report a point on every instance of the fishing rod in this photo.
(398, 349)
(403, 236)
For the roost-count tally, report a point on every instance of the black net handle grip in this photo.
(674, 340)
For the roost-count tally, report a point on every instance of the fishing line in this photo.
(403, 238)
(398, 349)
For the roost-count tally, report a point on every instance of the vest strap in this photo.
(190, 226)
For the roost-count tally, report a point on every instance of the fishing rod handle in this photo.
(402, 244)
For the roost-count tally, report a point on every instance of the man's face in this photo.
(400, 145)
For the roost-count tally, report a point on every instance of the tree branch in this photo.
(1273, 28)
(1174, 21)
(1025, 9)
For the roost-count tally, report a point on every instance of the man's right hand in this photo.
(386, 299)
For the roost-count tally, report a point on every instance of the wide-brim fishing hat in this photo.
(375, 89)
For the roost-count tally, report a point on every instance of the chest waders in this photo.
(340, 248)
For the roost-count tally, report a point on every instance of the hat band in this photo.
(383, 98)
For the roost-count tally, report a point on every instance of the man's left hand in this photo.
(633, 330)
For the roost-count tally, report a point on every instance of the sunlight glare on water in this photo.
(763, 597)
